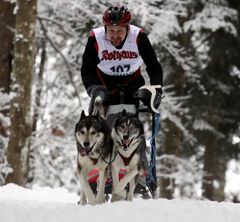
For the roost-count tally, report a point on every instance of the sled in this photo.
(151, 177)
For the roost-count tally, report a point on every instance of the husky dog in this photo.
(94, 145)
(129, 145)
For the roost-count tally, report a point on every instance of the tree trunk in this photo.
(7, 21)
(39, 85)
(214, 170)
(207, 185)
(36, 109)
(7, 25)
(214, 165)
(20, 111)
(171, 145)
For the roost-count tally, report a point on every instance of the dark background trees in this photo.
(197, 43)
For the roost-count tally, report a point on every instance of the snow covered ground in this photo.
(47, 204)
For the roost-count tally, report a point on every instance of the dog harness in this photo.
(127, 160)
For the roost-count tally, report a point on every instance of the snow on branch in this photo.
(213, 17)
(186, 174)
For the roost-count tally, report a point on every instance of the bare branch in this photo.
(70, 73)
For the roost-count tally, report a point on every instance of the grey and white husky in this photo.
(94, 145)
(129, 146)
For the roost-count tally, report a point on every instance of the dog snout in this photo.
(86, 144)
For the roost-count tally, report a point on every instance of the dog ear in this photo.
(135, 115)
(116, 121)
(124, 112)
(98, 113)
(83, 116)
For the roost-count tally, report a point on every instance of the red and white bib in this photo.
(118, 62)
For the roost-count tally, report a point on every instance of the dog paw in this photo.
(130, 197)
(120, 194)
(82, 203)
(91, 202)
(100, 200)
(116, 197)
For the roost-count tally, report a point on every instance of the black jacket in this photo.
(91, 75)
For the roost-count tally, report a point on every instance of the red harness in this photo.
(93, 176)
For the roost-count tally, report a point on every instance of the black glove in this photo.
(146, 93)
(100, 91)
(94, 89)
(158, 97)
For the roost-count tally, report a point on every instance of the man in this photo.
(112, 60)
(113, 57)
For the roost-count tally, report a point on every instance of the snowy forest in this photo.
(41, 93)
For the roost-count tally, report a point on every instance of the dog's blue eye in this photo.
(93, 132)
(82, 132)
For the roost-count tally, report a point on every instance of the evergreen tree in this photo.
(215, 113)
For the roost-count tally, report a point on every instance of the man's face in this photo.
(116, 34)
